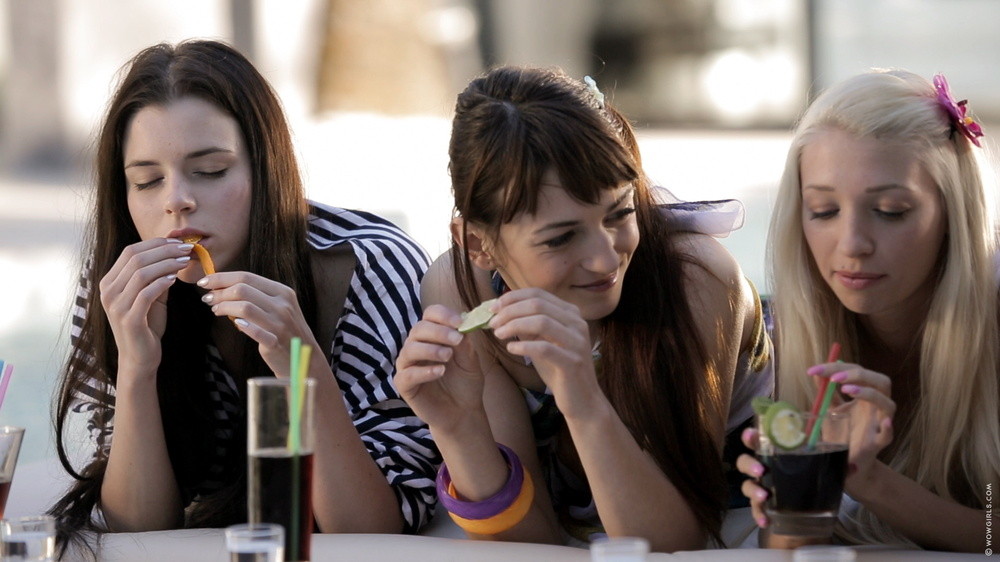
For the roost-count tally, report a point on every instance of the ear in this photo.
(475, 242)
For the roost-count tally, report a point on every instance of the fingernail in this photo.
(760, 495)
(455, 337)
(839, 377)
(852, 468)
(815, 370)
(437, 370)
(174, 240)
(851, 389)
(185, 246)
(202, 282)
(747, 434)
(758, 470)
(172, 276)
(241, 322)
(184, 259)
(444, 354)
(207, 297)
(762, 521)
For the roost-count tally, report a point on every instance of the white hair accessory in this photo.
(592, 86)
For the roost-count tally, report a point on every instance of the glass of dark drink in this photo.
(805, 482)
(280, 460)
(10, 447)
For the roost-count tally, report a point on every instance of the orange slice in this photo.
(203, 256)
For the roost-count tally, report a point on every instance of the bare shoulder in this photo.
(716, 284)
(439, 285)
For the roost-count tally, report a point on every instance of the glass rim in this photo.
(275, 381)
(11, 429)
(256, 530)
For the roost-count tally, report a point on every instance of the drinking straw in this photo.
(7, 371)
(818, 420)
(821, 391)
(297, 372)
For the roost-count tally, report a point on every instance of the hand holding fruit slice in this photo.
(203, 255)
(476, 318)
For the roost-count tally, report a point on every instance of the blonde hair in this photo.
(952, 445)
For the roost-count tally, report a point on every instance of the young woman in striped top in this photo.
(195, 144)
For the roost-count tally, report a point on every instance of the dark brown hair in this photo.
(511, 126)
(276, 249)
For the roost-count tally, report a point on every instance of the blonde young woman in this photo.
(881, 241)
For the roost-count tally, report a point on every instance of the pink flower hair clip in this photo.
(956, 111)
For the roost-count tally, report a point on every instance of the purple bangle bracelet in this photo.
(492, 505)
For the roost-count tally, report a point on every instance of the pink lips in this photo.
(600, 286)
(857, 280)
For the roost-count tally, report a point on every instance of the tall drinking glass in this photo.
(279, 488)
(10, 447)
(805, 483)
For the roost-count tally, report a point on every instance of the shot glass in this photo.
(619, 549)
(279, 486)
(10, 447)
(805, 484)
(28, 539)
(255, 542)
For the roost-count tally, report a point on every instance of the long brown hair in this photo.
(276, 249)
(511, 126)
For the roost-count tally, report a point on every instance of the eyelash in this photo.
(888, 215)
(564, 238)
(210, 175)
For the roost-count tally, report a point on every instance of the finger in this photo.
(410, 379)
(884, 435)
(534, 302)
(749, 465)
(750, 437)
(443, 315)
(565, 334)
(849, 373)
(757, 496)
(420, 353)
(872, 396)
(541, 352)
(264, 338)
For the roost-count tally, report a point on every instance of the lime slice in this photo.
(477, 318)
(784, 425)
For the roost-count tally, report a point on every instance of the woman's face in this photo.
(188, 174)
(577, 252)
(874, 221)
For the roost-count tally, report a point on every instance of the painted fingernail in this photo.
(185, 246)
(207, 297)
(202, 282)
(171, 277)
(762, 521)
(760, 495)
(241, 322)
(184, 259)
(758, 470)
(839, 377)
(815, 370)
(851, 389)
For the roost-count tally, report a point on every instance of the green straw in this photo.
(818, 423)
(294, 442)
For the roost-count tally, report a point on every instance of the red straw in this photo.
(823, 383)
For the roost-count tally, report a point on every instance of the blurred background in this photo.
(713, 87)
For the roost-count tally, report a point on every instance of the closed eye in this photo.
(822, 215)
(560, 240)
(215, 174)
(151, 183)
(621, 214)
(891, 215)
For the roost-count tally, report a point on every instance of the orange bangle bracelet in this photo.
(504, 520)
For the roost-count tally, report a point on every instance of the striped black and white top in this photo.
(382, 305)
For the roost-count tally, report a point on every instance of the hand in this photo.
(551, 332)
(437, 370)
(871, 409)
(749, 465)
(134, 296)
(266, 311)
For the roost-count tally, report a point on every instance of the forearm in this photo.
(631, 492)
(920, 515)
(478, 471)
(140, 491)
(350, 493)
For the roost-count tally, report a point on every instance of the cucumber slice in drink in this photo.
(476, 318)
(785, 426)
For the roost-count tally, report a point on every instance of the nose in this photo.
(178, 197)
(855, 237)
(602, 255)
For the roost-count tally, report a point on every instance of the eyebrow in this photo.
(191, 156)
(564, 224)
(873, 189)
